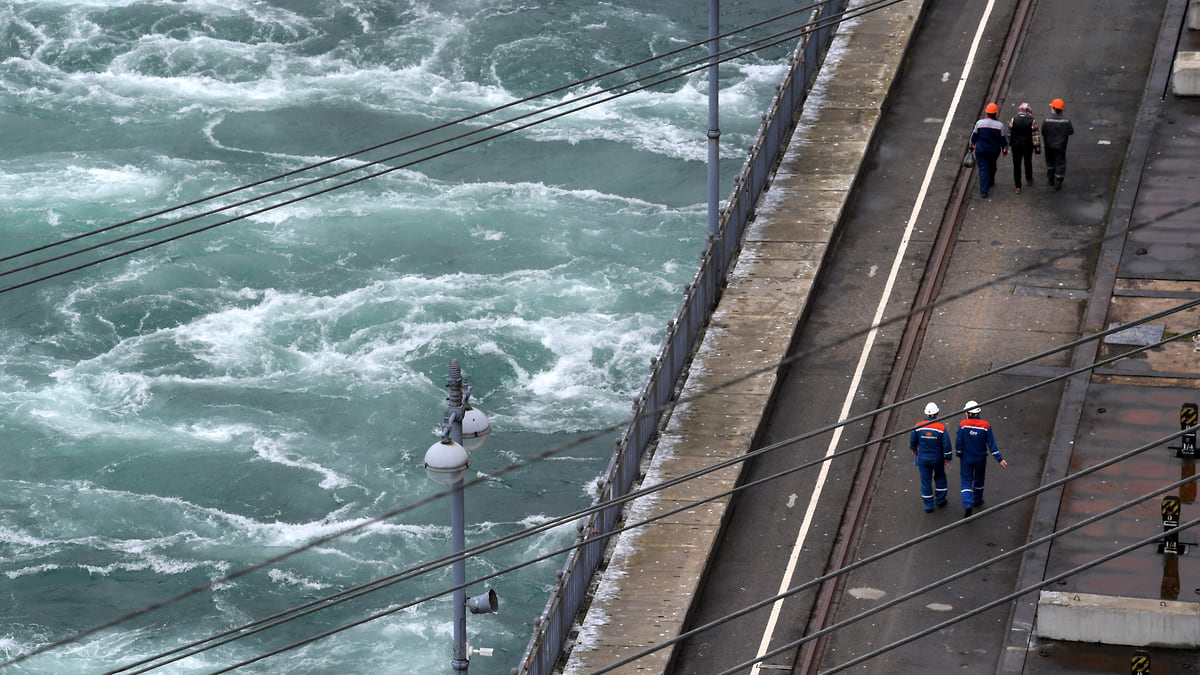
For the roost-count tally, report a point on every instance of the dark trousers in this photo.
(986, 161)
(933, 482)
(972, 475)
(1022, 157)
(1056, 164)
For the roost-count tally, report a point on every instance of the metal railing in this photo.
(552, 629)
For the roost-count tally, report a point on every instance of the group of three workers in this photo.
(990, 138)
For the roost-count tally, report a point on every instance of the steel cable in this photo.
(475, 550)
(1046, 539)
(678, 72)
(606, 430)
(759, 605)
(416, 134)
(1013, 596)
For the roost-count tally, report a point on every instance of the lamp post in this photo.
(463, 429)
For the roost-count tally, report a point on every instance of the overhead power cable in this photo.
(629, 526)
(644, 83)
(940, 583)
(481, 548)
(300, 549)
(759, 605)
(723, 620)
(597, 434)
(850, 420)
(706, 61)
(957, 575)
(1013, 596)
(446, 125)
(1055, 484)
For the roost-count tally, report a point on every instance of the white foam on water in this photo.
(290, 578)
(275, 450)
(285, 360)
(255, 343)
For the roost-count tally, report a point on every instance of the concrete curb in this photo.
(1113, 620)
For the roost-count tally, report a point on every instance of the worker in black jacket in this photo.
(1024, 140)
(1056, 129)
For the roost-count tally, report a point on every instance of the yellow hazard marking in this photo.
(1188, 415)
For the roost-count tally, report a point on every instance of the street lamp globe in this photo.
(475, 429)
(446, 462)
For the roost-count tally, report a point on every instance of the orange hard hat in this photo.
(992, 109)
(1057, 104)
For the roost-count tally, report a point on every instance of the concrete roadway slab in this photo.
(1003, 234)
(1164, 245)
(1098, 61)
(1137, 404)
(764, 521)
(1117, 419)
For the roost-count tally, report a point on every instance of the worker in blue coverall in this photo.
(932, 453)
(975, 441)
(989, 139)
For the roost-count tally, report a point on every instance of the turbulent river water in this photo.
(187, 393)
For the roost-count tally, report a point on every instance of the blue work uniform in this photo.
(931, 451)
(988, 139)
(975, 440)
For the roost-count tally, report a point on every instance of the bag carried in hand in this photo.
(969, 160)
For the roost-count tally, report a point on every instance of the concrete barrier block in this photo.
(1193, 14)
(1115, 620)
(1186, 76)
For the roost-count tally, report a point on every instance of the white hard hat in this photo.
(931, 408)
(973, 407)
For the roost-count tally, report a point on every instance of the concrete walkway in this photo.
(644, 594)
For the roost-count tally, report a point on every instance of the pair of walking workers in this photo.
(932, 453)
(990, 139)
